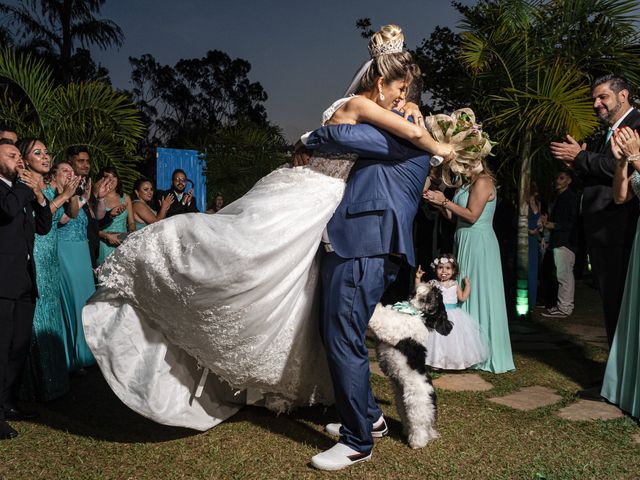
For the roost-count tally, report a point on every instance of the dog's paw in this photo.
(419, 439)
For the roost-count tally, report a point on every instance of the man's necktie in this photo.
(609, 135)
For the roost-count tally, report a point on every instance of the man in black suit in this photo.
(609, 228)
(184, 202)
(24, 211)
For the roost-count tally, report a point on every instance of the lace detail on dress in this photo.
(328, 113)
(635, 183)
(75, 230)
(336, 166)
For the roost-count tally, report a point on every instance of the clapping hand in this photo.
(186, 200)
(625, 143)
(70, 186)
(102, 187)
(567, 151)
(118, 210)
(32, 180)
(29, 178)
(88, 190)
(166, 202)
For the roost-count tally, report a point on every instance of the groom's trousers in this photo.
(351, 289)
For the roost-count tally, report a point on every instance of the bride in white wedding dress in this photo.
(235, 293)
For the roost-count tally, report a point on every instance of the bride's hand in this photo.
(447, 152)
(410, 109)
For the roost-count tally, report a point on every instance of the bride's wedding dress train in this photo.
(234, 292)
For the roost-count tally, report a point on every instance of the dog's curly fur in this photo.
(401, 353)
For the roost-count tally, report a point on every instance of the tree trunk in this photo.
(522, 299)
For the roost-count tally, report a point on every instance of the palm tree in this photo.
(532, 62)
(91, 114)
(60, 25)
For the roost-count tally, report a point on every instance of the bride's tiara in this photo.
(394, 46)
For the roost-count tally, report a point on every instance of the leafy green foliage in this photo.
(239, 155)
(91, 114)
(532, 63)
(196, 96)
(52, 29)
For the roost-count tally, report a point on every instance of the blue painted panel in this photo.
(192, 162)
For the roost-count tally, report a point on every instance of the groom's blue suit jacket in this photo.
(383, 191)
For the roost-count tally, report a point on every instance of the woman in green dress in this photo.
(478, 253)
(76, 281)
(119, 207)
(46, 374)
(621, 384)
(143, 214)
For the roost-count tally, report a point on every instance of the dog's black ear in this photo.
(435, 313)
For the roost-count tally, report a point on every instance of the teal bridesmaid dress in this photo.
(118, 225)
(478, 254)
(140, 226)
(46, 373)
(621, 384)
(77, 285)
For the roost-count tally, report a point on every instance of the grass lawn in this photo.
(89, 433)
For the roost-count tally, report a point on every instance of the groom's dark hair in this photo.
(414, 92)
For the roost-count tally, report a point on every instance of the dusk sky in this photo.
(303, 53)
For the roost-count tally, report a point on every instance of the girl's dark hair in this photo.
(137, 184)
(452, 260)
(25, 145)
(113, 171)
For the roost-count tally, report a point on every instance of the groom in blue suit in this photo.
(369, 237)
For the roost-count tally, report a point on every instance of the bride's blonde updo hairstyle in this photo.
(470, 143)
(388, 60)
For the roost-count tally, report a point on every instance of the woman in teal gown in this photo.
(46, 374)
(76, 285)
(621, 384)
(120, 208)
(143, 214)
(476, 248)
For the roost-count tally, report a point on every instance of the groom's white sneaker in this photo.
(338, 457)
(379, 430)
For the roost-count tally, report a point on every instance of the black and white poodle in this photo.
(401, 355)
